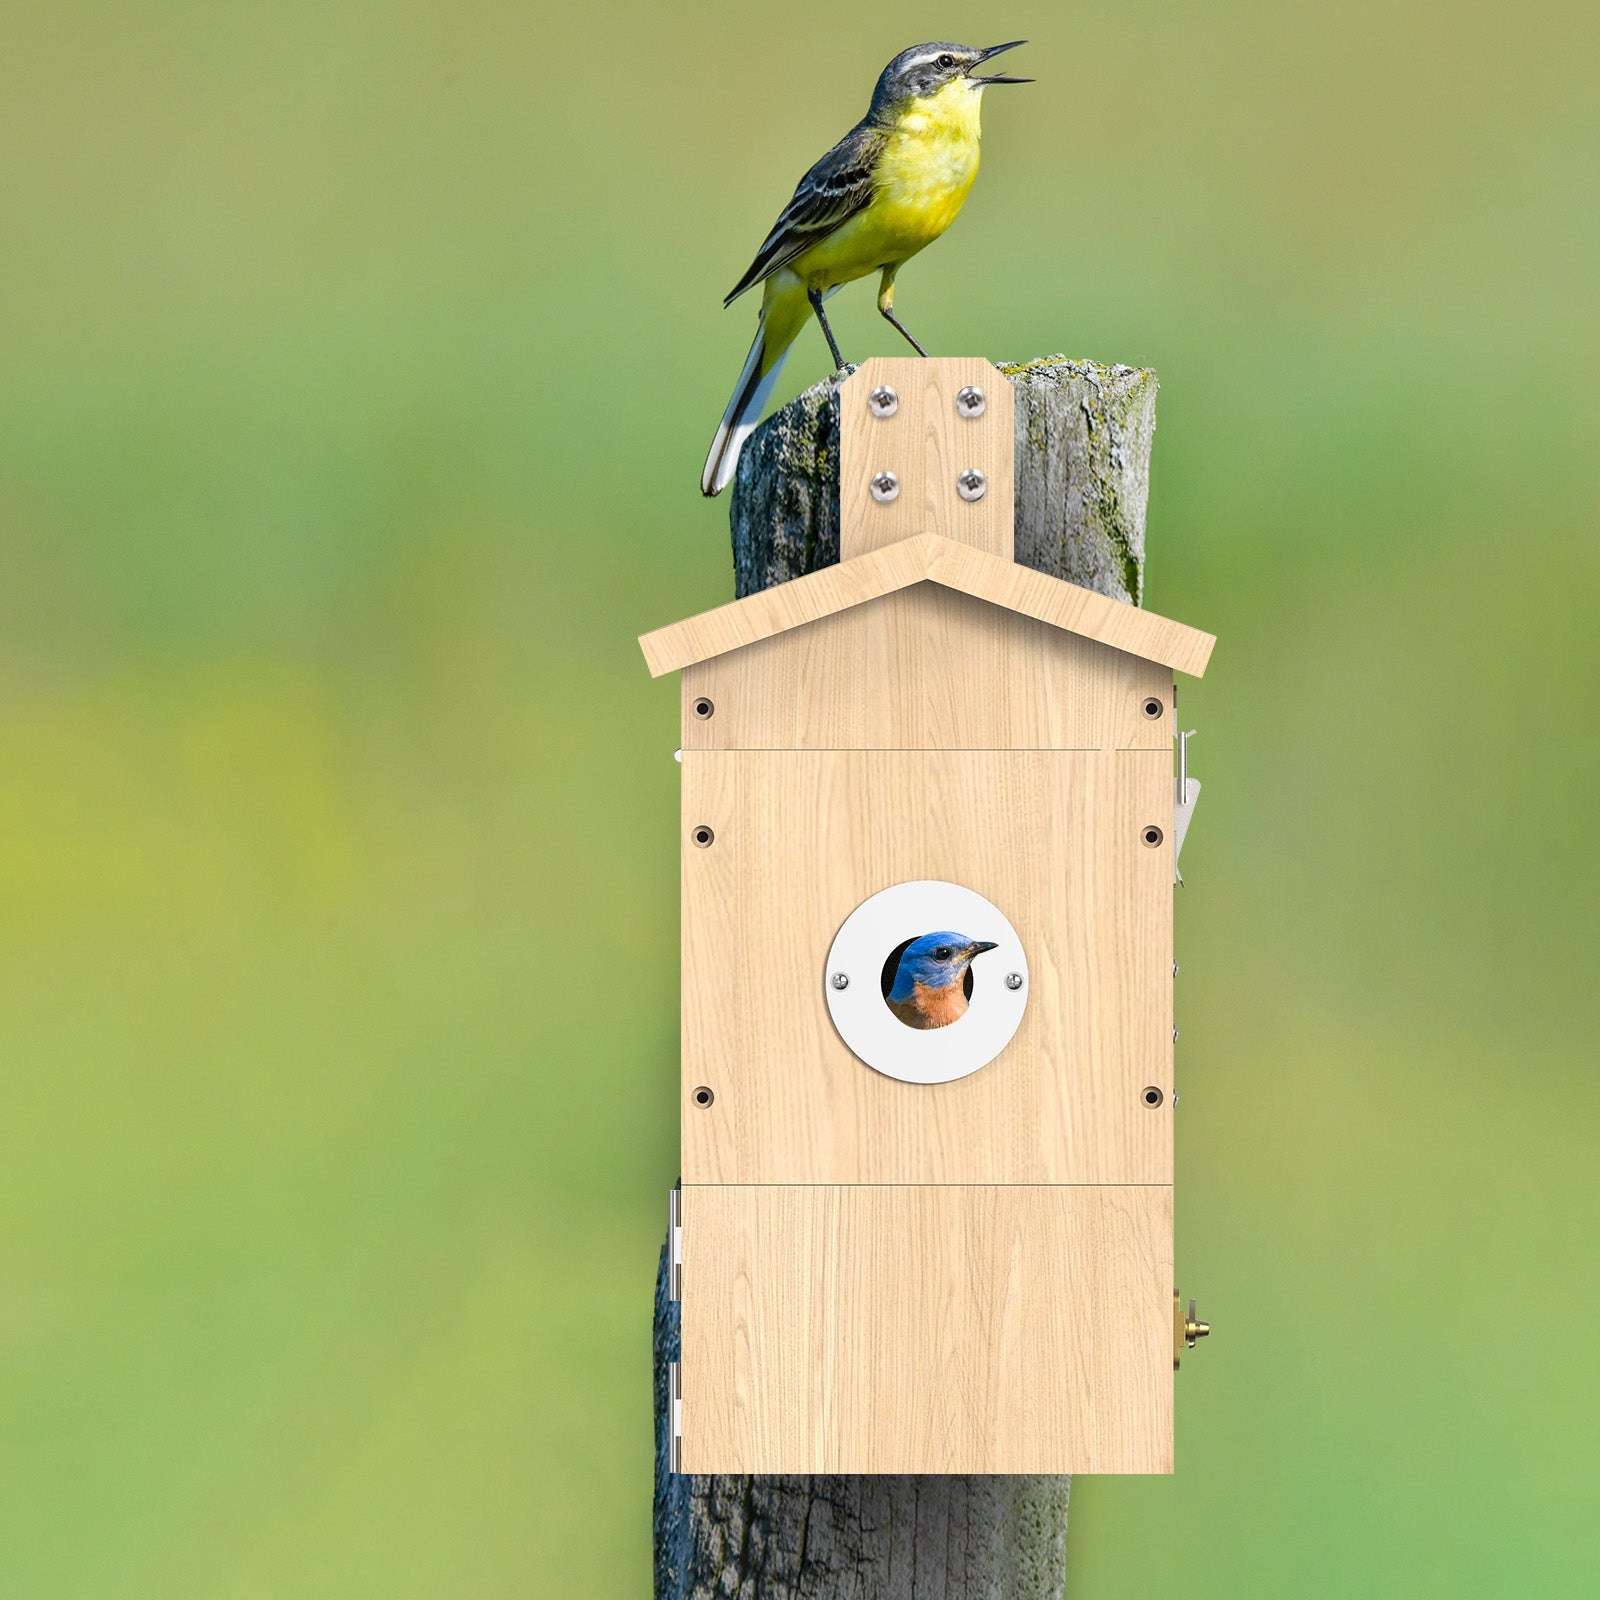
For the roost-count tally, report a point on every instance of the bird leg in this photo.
(815, 297)
(886, 308)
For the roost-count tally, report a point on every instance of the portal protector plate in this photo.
(884, 923)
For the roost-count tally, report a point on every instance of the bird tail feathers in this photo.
(739, 421)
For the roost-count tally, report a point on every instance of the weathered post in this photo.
(1083, 440)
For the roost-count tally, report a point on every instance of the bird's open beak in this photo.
(998, 77)
(978, 946)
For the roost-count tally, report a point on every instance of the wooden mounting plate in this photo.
(927, 443)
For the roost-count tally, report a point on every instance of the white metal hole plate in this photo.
(862, 1016)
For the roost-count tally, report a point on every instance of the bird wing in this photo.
(837, 187)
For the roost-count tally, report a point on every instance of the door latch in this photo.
(1186, 1331)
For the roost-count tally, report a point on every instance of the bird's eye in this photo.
(943, 953)
(947, 62)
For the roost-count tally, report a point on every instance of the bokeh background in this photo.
(359, 360)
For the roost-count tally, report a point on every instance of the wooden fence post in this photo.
(1083, 438)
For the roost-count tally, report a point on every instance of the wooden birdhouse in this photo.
(929, 819)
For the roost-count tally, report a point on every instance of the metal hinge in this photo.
(674, 1418)
(675, 1244)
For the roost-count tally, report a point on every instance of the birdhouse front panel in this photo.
(1055, 840)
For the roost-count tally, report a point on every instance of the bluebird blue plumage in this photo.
(929, 989)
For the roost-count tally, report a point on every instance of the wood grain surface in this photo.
(927, 1329)
(945, 672)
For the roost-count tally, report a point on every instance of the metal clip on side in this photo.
(1186, 793)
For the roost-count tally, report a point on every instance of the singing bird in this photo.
(929, 988)
(888, 189)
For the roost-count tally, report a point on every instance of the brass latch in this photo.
(1185, 1330)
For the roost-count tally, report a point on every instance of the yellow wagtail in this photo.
(889, 188)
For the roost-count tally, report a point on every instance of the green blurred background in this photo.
(359, 363)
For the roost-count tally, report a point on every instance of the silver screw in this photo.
(1013, 980)
(840, 980)
(1174, 969)
(885, 487)
(970, 402)
(883, 401)
(1174, 1035)
(971, 484)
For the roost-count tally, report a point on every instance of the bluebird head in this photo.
(928, 987)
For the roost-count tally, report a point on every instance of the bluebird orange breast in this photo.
(932, 1008)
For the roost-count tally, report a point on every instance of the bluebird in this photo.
(929, 988)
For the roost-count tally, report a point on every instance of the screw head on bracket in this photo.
(971, 402)
(883, 401)
(1013, 980)
(840, 980)
(971, 484)
(885, 486)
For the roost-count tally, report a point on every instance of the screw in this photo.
(885, 487)
(1174, 969)
(883, 401)
(970, 402)
(1174, 1035)
(1013, 980)
(840, 980)
(971, 484)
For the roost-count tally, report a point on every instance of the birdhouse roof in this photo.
(927, 558)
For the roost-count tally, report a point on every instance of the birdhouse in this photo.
(930, 822)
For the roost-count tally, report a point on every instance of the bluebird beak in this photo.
(978, 946)
(998, 77)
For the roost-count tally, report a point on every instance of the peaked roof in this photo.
(927, 557)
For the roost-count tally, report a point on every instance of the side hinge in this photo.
(674, 1417)
(675, 1245)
